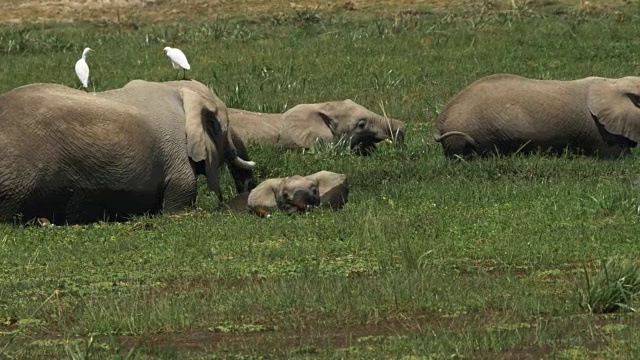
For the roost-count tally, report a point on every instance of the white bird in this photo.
(178, 60)
(82, 69)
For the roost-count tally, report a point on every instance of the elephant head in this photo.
(615, 104)
(290, 194)
(298, 194)
(332, 120)
(334, 189)
(210, 139)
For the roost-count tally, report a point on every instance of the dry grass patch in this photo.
(17, 11)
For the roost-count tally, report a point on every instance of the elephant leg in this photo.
(242, 179)
(214, 185)
(180, 192)
(109, 205)
(615, 147)
(9, 205)
(42, 202)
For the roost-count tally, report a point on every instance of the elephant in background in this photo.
(294, 194)
(77, 157)
(507, 113)
(302, 125)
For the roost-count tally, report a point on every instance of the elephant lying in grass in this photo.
(506, 114)
(302, 125)
(76, 157)
(294, 194)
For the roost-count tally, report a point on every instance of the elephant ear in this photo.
(263, 199)
(205, 135)
(615, 104)
(305, 123)
(333, 188)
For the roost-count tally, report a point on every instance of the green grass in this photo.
(430, 258)
(615, 285)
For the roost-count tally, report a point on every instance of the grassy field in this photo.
(429, 259)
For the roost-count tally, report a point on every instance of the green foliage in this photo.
(340, 147)
(430, 258)
(612, 288)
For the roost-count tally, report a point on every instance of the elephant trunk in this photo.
(396, 130)
(236, 153)
(300, 201)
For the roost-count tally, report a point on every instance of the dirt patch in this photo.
(318, 335)
(17, 11)
(312, 336)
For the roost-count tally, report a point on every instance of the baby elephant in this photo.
(302, 125)
(507, 114)
(294, 194)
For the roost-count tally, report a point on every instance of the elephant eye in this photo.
(362, 123)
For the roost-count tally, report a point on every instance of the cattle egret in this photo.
(82, 69)
(178, 60)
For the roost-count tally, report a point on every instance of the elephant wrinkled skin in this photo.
(507, 113)
(75, 157)
(300, 126)
(294, 194)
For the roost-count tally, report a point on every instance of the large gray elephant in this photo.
(76, 157)
(302, 125)
(507, 113)
(294, 194)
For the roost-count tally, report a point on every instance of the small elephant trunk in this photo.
(300, 201)
(397, 131)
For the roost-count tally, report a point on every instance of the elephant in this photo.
(236, 151)
(76, 157)
(294, 194)
(507, 114)
(302, 125)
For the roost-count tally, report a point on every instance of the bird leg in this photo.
(184, 74)
(177, 73)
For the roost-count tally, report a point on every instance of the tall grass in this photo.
(612, 288)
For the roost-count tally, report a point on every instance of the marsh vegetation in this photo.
(430, 258)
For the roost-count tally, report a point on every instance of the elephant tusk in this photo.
(388, 141)
(248, 165)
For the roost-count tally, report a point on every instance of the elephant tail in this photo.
(469, 139)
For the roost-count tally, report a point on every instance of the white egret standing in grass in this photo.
(178, 60)
(82, 69)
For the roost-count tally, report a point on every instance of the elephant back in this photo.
(55, 112)
(263, 128)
